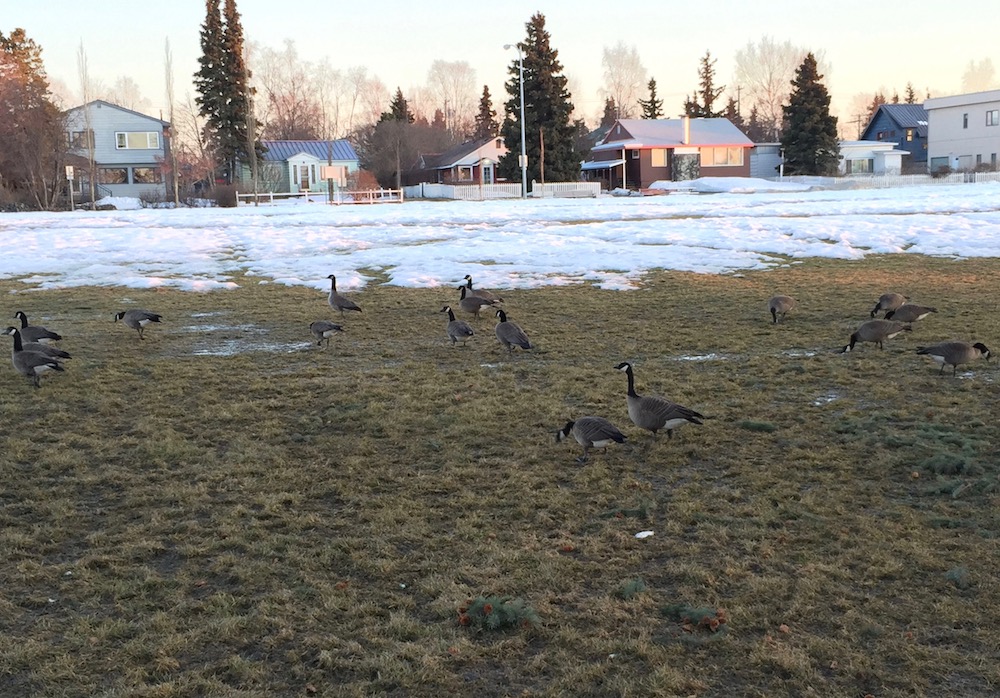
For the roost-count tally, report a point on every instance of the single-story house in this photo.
(870, 157)
(964, 131)
(129, 150)
(637, 152)
(290, 167)
(903, 125)
(473, 162)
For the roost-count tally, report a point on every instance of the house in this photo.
(637, 152)
(289, 167)
(473, 162)
(905, 126)
(870, 157)
(129, 150)
(964, 131)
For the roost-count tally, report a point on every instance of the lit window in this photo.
(658, 157)
(909, 134)
(721, 157)
(137, 140)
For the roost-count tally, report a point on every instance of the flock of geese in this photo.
(33, 354)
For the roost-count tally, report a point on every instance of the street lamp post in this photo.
(523, 159)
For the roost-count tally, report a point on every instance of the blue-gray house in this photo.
(294, 166)
(906, 126)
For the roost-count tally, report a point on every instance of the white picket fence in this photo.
(476, 192)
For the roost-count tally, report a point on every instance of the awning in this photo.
(601, 164)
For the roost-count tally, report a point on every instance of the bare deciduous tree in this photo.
(287, 105)
(764, 73)
(624, 78)
(168, 69)
(453, 87)
(126, 93)
(85, 89)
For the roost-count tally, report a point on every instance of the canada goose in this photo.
(955, 353)
(35, 333)
(779, 305)
(137, 319)
(591, 432)
(45, 349)
(457, 329)
(472, 304)
(655, 413)
(876, 331)
(324, 329)
(510, 334)
(337, 301)
(888, 302)
(31, 364)
(909, 312)
(481, 292)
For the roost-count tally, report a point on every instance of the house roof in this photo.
(669, 133)
(279, 151)
(462, 154)
(104, 103)
(903, 115)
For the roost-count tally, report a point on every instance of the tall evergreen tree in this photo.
(399, 109)
(810, 136)
(756, 130)
(707, 91)
(222, 81)
(911, 96)
(652, 108)
(610, 113)
(392, 142)
(486, 125)
(549, 134)
(732, 112)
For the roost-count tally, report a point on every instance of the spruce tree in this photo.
(486, 125)
(810, 136)
(652, 108)
(209, 81)
(610, 113)
(399, 109)
(911, 96)
(732, 112)
(756, 130)
(548, 128)
(707, 91)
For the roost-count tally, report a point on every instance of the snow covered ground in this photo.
(611, 241)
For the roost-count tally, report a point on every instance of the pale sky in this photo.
(869, 46)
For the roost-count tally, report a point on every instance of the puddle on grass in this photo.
(700, 357)
(826, 399)
(798, 353)
(231, 340)
(232, 347)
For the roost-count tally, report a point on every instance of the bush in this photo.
(225, 196)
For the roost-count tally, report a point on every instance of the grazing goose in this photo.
(955, 353)
(35, 333)
(45, 349)
(457, 329)
(510, 334)
(909, 312)
(137, 319)
(779, 305)
(591, 432)
(888, 302)
(472, 304)
(655, 413)
(337, 301)
(876, 331)
(324, 329)
(31, 364)
(481, 292)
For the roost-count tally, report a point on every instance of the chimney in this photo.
(687, 129)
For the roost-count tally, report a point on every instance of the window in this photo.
(499, 143)
(979, 159)
(137, 140)
(993, 117)
(295, 173)
(862, 166)
(146, 175)
(721, 157)
(312, 173)
(112, 175)
(993, 160)
(965, 121)
(658, 157)
(909, 135)
(81, 140)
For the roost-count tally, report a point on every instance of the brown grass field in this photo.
(226, 510)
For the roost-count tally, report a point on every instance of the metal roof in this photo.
(461, 154)
(669, 133)
(279, 151)
(904, 116)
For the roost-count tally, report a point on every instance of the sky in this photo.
(608, 241)
(869, 46)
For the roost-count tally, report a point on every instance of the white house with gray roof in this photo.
(964, 131)
(290, 167)
(637, 152)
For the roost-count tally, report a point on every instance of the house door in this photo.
(303, 178)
